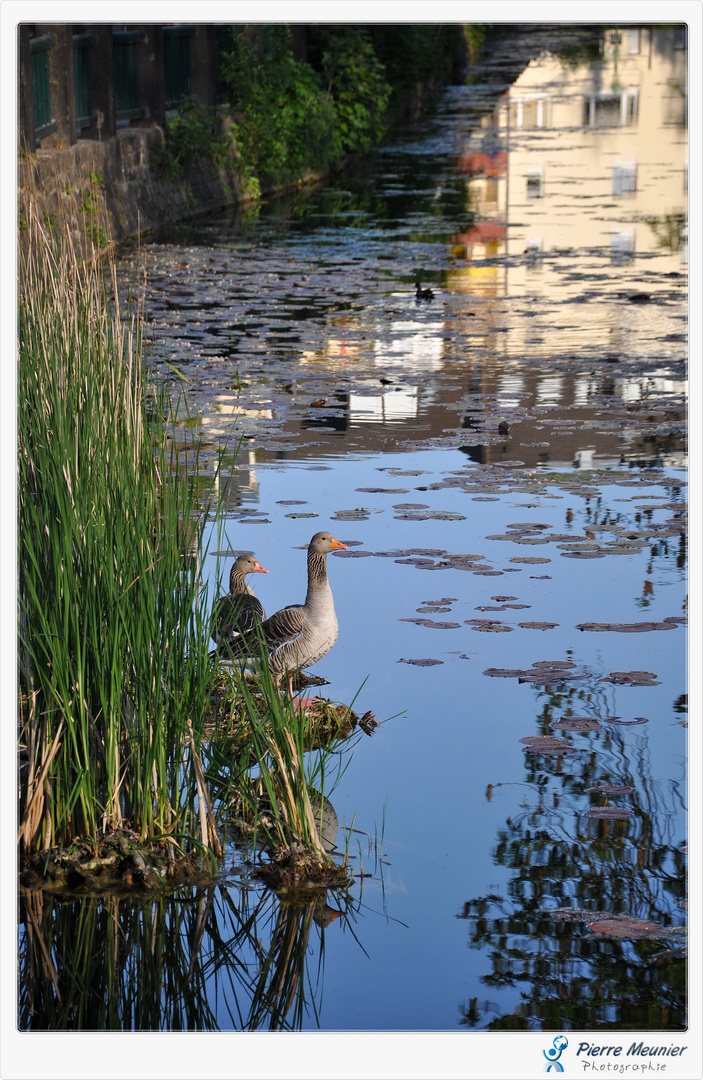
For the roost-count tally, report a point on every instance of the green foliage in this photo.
(284, 124)
(111, 627)
(354, 80)
(415, 54)
(192, 137)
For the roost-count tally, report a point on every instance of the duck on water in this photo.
(298, 635)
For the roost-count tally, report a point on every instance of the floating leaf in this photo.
(353, 515)
(626, 628)
(531, 559)
(383, 491)
(608, 813)
(298, 514)
(626, 927)
(352, 554)
(538, 625)
(433, 625)
(420, 663)
(623, 723)
(576, 723)
(547, 744)
(410, 506)
(630, 678)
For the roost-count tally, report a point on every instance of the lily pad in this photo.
(576, 723)
(626, 723)
(537, 625)
(433, 625)
(352, 554)
(360, 514)
(631, 678)
(626, 927)
(583, 554)
(420, 663)
(626, 628)
(547, 744)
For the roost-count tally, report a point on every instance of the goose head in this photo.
(323, 542)
(243, 565)
(247, 564)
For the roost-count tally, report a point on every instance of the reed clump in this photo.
(123, 775)
(111, 626)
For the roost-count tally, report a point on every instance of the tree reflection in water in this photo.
(197, 961)
(573, 976)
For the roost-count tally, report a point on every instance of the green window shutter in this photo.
(177, 63)
(39, 51)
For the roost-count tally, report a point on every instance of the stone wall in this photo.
(108, 189)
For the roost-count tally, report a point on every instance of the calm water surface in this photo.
(478, 558)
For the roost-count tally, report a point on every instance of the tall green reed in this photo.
(112, 632)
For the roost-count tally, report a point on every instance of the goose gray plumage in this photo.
(301, 634)
(239, 612)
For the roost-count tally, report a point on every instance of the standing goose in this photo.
(301, 634)
(241, 611)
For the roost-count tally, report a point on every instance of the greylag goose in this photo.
(239, 612)
(301, 634)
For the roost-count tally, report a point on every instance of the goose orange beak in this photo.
(338, 545)
(259, 569)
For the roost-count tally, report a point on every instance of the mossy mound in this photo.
(118, 864)
(296, 870)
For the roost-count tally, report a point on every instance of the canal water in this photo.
(507, 463)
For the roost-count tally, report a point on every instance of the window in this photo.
(624, 178)
(611, 108)
(39, 50)
(622, 246)
(633, 40)
(530, 112)
(126, 73)
(177, 63)
(81, 80)
(535, 183)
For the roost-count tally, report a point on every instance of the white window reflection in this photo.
(624, 177)
(414, 345)
(622, 245)
(386, 408)
(550, 390)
